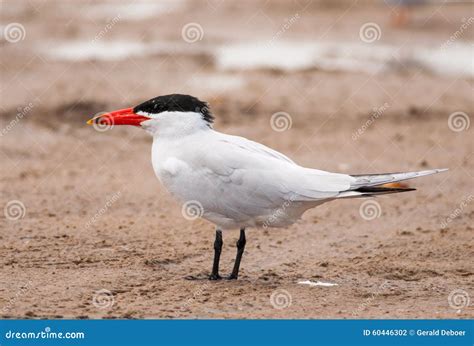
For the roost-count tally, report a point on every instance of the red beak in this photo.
(120, 117)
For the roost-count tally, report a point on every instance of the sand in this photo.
(97, 236)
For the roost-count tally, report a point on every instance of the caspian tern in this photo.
(238, 183)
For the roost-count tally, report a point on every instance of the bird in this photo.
(235, 182)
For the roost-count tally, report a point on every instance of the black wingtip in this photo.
(380, 190)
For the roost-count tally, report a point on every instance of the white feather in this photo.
(238, 182)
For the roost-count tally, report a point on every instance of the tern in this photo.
(235, 182)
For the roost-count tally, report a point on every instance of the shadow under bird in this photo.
(237, 183)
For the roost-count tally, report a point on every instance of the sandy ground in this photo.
(98, 236)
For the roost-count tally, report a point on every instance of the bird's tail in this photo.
(367, 185)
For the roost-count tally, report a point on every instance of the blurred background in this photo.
(346, 86)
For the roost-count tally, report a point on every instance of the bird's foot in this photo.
(232, 277)
(214, 277)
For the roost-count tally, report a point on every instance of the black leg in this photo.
(240, 251)
(217, 255)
